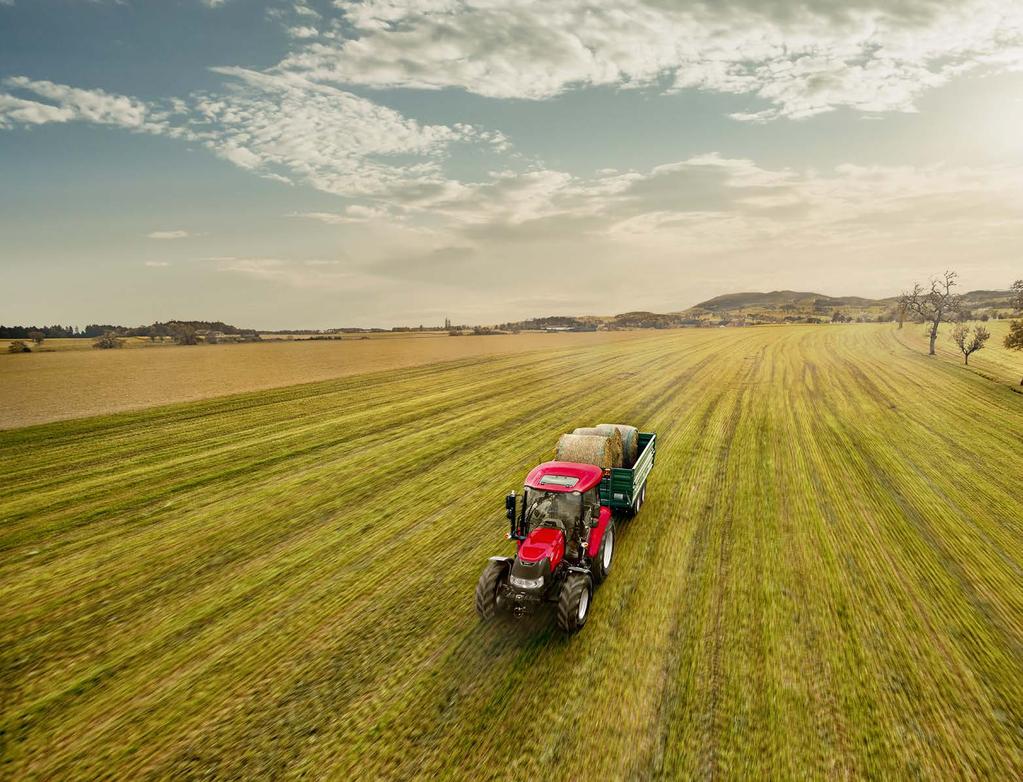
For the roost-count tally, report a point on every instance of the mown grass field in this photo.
(41, 387)
(826, 580)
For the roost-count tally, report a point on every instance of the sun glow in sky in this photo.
(317, 163)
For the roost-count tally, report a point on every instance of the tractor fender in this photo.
(509, 560)
(597, 533)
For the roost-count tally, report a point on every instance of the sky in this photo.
(324, 163)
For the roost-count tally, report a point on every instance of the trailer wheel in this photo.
(601, 564)
(493, 575)
(574, 603)
(638, 502)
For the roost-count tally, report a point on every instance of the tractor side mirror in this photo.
(509, 506)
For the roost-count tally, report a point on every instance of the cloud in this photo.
(332, 139)
(278, 125)
(52, 102)
(318, 274)
(157, 264)
(355, 213)
(168, 234)
(800, 58)
(18, 111)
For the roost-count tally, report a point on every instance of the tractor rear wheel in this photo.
(601, 564)
(493, 575)
(574, 603)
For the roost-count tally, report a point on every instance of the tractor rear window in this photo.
(559, 480)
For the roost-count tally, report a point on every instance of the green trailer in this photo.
(624, 488)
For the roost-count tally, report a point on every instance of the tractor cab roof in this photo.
(564, 476)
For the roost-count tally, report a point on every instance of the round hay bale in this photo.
(586, 449)
(617, 445)
(630, 441)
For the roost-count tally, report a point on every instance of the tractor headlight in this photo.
(526, 583)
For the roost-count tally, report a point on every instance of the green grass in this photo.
(826, 580)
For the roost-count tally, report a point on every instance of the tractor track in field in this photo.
(697, 551)
(713, 717)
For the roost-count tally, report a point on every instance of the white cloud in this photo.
(801, 58)
(338, 142)
(18, 111)
(355, 213)
(157, 264)
(89, 105)
(318, 274)
(65, 104)
(303, 32)
(177, 234)
(280, 126)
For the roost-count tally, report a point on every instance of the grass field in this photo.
(73, 383)
(826, 580)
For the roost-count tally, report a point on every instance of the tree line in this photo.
(106, 336)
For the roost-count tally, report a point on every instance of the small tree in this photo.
(18, 346)
(969, 340)
(1017, 294)
(108, 341)
(185, 335)
(934, 305)
(1014, 339)
(37, 337)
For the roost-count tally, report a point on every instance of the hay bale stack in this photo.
(589, 449)
(611, 430)
(630, 440)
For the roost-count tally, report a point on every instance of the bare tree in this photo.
(1014, 339)
(934, 305)
(37, 337)
(969, 340)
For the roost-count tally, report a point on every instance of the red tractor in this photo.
(564, 530)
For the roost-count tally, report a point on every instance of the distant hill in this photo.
(791, 306)
(776, 300)
(752, 307)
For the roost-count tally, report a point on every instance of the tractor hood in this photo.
(543, 543)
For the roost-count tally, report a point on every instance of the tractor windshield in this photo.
(552, 508)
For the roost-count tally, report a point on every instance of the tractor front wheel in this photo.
(574, 603)
(493, 575)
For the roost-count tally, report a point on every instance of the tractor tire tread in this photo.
(568, 603)
(486, 590)
(597, 563)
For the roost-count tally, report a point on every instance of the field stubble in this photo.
(74, 382)
(824, 582)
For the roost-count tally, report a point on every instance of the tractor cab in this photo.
(563, 495)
